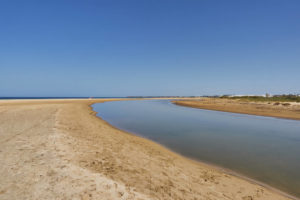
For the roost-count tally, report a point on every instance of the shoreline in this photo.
(80, 146)
(205, 163)
(242, 107)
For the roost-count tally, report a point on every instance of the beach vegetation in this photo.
(277, 98)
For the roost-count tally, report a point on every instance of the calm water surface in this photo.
(264, 148)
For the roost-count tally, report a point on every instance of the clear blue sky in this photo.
(149, 47)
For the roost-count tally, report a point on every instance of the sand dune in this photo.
(59, 149)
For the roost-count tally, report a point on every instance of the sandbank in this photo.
(59, 149)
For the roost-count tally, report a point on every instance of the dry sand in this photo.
(270, 109)
(59, 149)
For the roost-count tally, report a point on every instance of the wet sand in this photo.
(269, 109)
(59, 149)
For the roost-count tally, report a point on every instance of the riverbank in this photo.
(287, 110)
(59, 149)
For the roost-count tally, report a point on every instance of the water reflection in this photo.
(264, 148)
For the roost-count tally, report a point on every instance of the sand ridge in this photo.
(59, 149)
(270, 109)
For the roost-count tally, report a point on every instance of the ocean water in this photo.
(263, 148)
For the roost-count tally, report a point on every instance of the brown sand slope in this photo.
(58, 149)
(270, 109)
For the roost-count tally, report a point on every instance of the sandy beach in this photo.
(59, 149)
(270, 109)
